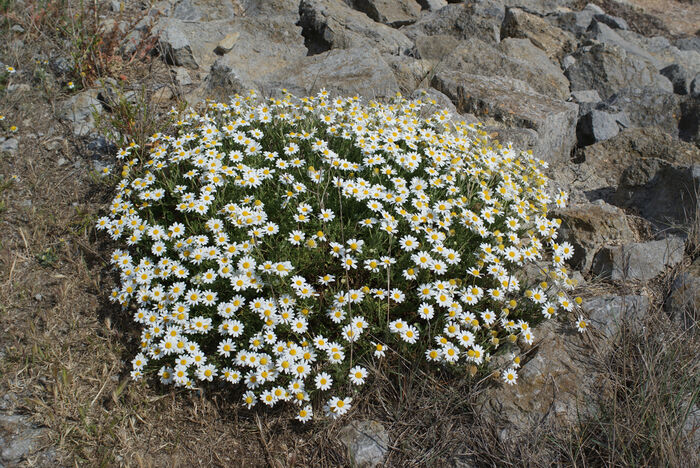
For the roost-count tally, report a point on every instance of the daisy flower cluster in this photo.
(286, 245)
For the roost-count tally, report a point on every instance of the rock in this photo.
(649, 107)
(689, 123)
(367, 443)
(116, 6)
(512, 58)
(607, 314)
(567, 61)
(354, 71)
(694, 89)
(61, 65)
(661, 51)
(435, 102)
(475, 18)
(409, 73)
(611, 21)
(608, 69)
(588, 227)
(263, 47)
(680, 78)
(432, 5)
(575, 22)
(182, 76)
(555, 381)
(331, 24)
(552, 40)
(514, 103)
(9, 145)
(599, 125)
(227, 43)
(78, 111)
(638, 261)
(175, 46)
(538, 7)
(21, 439)
(585, 95)
(394, 13)
(437, 47)
(683, 302)
(688, 43)
(664, 194)
(17, 29)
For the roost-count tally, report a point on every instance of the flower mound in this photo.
(286, 245)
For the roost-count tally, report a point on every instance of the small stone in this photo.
(227, 43)
(367, 443)
(38, 297)
(567, 61)
(17, 28)
(9, 146)
(61, 161)
(116, 5)
(695, 87)
(432, 5)
(162, 95)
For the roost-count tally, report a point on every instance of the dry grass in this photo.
(64, 349)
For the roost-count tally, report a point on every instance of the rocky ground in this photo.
(608, 93)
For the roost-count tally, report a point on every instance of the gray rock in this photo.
(649, 107)
(436, 47)
(331, 24)
(585, 95)
(605, 34)
(511, 58)
(683, 302)
(599, 125)
(116, 5)
(612, 21)
(432, 5)
(638, 261)
(435, 101)
(694, 88)
(175, 46)
(602, 164)
(367, 443)
(664, 194)
(608, 69)
(514, 103)
(607, 314)
(182, 76)
(680, 78)
(575, 22)
(410, 73)
(61, 65)
(475, 18)
(354, 71)
(588, 227)
(78, 111)
(538, 7)
(554, 41)
(567, 61)
(688, 43)
(20, 438)
(9, 145)
(17, 29)
(262, 47)
(662, 52)
(394, 13)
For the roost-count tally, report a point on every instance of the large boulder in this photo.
(514, 103)
(512, 58)
(609, 69)
(662, 51)
(253, 49)
(604, 162)
(474, 18)
(591, 226)
(555, 383)
(600, 125)
(394, 13)
(638, 261)
(553, 41)
(575, 22)
(331, 24)
(348, 71)
(663, 193)
(649, 107)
